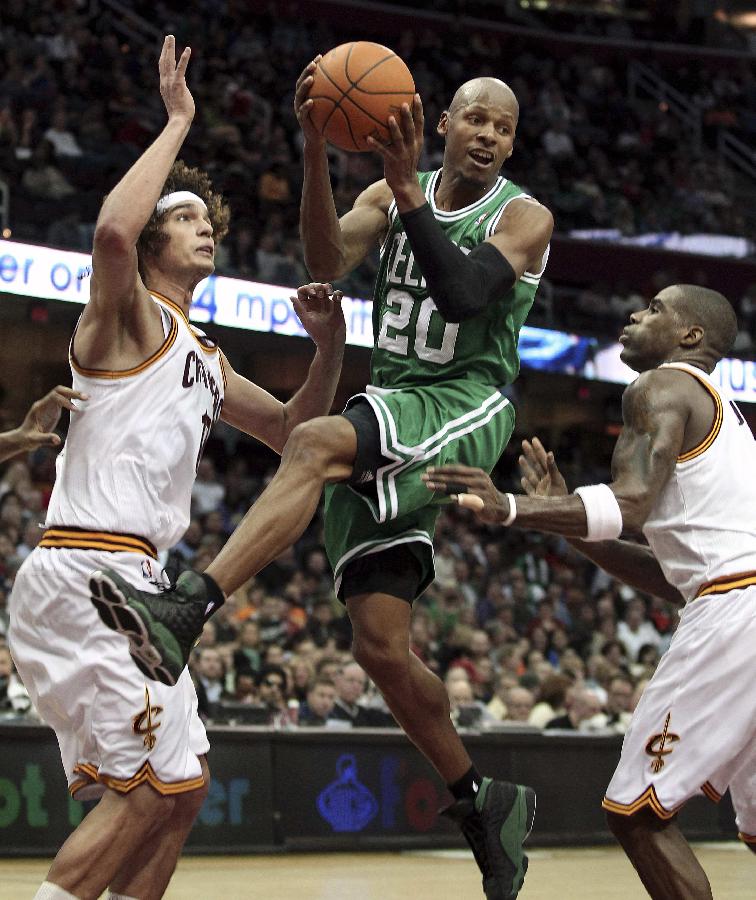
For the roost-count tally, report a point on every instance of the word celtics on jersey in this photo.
(413, 344)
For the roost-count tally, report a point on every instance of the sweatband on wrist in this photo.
(602, 512)
(512, 510)
(461, 284)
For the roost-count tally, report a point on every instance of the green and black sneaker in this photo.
(161, 628)
(496, 824)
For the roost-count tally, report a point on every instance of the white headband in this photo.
(177, 197)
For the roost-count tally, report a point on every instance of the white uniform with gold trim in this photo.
(694, 730)
(122, 492)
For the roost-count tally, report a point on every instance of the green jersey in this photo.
(413, 344)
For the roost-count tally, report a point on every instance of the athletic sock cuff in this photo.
(215, 596)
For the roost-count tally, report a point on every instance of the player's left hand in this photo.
(402, 154)
(319, 309)
(471, 488)
(38, 427)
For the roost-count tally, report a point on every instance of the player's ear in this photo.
(443, 124)
(693, 336)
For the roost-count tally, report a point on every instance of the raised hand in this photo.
(303, 105)
(177, 98)
(319, 309)
(402, 154)
(39, 425)
(540, 475)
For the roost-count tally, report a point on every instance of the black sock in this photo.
(215, 596)
(467, 786)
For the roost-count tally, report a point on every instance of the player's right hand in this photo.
(178, 100)
(303, 105)
(540, 474)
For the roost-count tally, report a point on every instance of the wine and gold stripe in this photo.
(211, 346)
(145, 775)
(715, 428)
(726, 583)
(647, 799)
(747, 838)
(59, 537)
(127, 373)
(711, 792)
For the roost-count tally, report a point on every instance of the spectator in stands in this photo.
(583, 712)
(209, 680)
(465, 710)
(635, 629)
(618, 705)
(520, 702)
(248, 656)
(272, 685)
(321, 698)
(551, 700)
(350, 682)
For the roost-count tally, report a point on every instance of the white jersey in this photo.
(702, 528)
(131, 455)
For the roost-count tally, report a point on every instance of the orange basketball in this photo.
(357, 87)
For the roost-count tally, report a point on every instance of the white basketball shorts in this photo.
(694, 730)
(115, 728)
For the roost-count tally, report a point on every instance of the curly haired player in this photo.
(156, 384)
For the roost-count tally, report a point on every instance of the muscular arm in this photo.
(654, 419)
(333, 247)
(254, 411)
(632, 564)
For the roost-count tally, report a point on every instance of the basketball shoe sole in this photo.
(161, 628)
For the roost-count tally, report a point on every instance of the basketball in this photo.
(356, 88)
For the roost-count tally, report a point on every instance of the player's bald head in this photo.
(486, 91)
(712, 311)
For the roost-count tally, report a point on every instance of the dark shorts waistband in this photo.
(59, 537)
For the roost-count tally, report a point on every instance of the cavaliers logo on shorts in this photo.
(658, 745)
(145, 722)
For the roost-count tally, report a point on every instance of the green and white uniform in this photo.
(436, 388)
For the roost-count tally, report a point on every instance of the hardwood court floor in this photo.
(555, 874)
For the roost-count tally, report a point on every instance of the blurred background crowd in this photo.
(78, 104)
(522, 629)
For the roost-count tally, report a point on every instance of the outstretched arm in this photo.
(119, 318)
(253, 410)
(644, 457)
(631, 563)
(38, 427)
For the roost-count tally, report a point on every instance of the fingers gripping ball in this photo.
(356, 88)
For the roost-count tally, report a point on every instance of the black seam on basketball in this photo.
(336, 105)
(346, 95)
(372, 68)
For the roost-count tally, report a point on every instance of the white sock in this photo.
(112, 896)
(50, 891)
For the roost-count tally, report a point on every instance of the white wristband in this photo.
(512, 510)
(602, 512)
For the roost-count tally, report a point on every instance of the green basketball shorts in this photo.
(451, 422)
